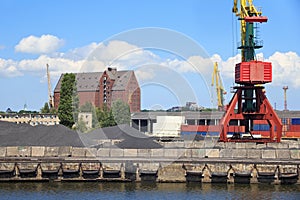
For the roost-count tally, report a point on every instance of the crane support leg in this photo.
(262, 111)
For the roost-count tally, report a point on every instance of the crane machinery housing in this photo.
(217, 82)
(249, 105)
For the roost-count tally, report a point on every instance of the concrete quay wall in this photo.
(290, 150)
(177, 162)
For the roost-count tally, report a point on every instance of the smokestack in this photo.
(285, 88)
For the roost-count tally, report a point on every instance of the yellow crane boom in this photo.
(248, 13)
(50, 96)
(216, 80)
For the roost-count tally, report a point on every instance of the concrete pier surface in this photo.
(197, 161)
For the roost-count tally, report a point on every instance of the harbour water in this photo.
(130, 191)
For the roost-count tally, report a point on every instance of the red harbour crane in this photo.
(249, 103)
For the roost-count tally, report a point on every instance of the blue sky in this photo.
(67, 32)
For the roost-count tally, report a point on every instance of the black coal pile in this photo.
(138, 143)
(12, 134)
(130, 137)
(192, 137)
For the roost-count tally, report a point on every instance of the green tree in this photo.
(121, 112)
(105, 117)
(66, 104)
(75, 102)
(45, 109)
(28, 112)
(53, 111)
(87, 107)
(90, 108)
(81, 125)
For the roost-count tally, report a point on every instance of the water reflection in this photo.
(146, 190)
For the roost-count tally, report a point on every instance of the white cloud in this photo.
(227, 66)
(57, 64)
(114, 50)
(198, 65)
(286, 68)
(79, 53)
(92, 57)
(8, 68)
(93, 66)
(120, 54)
(39, 45)
(144, 74)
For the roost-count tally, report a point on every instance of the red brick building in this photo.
(101, 88)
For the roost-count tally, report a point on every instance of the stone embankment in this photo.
(198, 161)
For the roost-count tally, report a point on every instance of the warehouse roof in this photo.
(122, 80)
(89, 81)
(85, 81)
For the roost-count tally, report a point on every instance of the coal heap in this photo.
(12, 134)
(130, 137)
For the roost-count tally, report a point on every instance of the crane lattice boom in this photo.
(50, 96)
(216, 80)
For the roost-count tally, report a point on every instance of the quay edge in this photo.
(235, 163)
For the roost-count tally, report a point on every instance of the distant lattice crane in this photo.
(216, 80)
(285, 88)
(50, 96)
